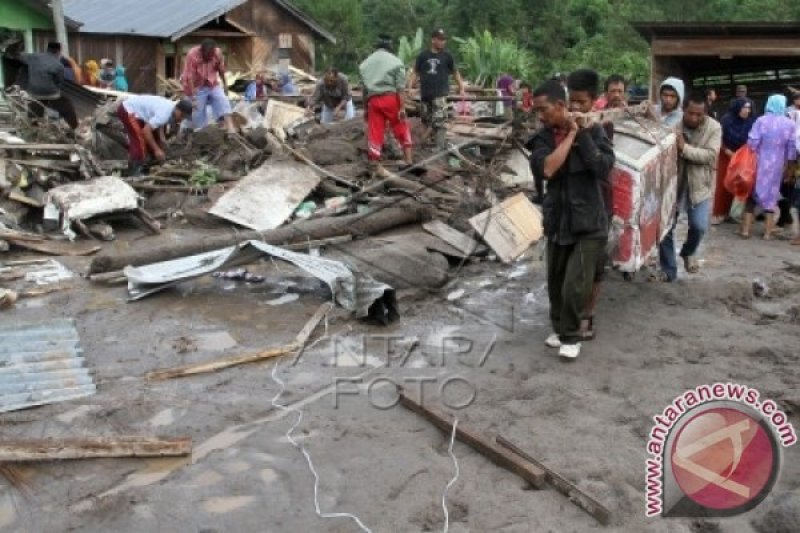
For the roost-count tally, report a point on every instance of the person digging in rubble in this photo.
(433, 68)
(582, 85)
(333, 92)
(45, 76)
(383, 78)
(575, 157)
(204, 82)
(699, 142)
(144, 118)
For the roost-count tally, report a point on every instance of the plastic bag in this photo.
(741, 175)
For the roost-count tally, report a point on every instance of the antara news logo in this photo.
(715, 451)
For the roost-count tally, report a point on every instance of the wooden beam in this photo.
(563, 485)
(481, 443)
(727, 46)
(93, 448)
(220, 364)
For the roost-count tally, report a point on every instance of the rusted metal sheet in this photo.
(41, 363)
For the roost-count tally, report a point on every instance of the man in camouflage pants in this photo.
(433, 69)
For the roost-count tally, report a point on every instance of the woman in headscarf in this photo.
(773, 139)
(736, 125)
(90, 72)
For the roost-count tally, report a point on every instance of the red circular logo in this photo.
(723, 458)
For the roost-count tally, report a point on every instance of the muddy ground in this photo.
(587, 420)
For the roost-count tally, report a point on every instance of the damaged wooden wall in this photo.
(268, 21)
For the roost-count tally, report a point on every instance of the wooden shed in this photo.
(763, 56)
(151, 37)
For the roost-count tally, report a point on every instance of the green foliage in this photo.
(549, 35)
(483, 58)
(204, 175)
(409, 49)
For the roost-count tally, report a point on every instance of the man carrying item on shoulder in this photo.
(575, 158)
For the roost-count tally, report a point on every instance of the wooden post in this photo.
(61, 28)
(479, 442)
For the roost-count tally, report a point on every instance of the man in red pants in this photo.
(383, 76)
(144, 118)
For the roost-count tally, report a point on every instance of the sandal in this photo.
(691, 265)
(659, 277)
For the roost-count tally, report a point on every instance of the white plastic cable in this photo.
(452, 481)
(305, 453)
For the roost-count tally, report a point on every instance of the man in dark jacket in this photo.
(575, 159)
(45, 75)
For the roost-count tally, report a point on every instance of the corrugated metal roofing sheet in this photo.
(152, 18)
(40, 364)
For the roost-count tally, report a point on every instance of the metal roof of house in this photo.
(162, 18)
(41, 363)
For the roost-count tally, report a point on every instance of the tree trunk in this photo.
(360, 224)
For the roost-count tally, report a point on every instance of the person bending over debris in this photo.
(204, 70)
(44, 80)
(333, 92)
(434, 68)
(383, 77)
(144, 118)
(582, 85)
(699, 141)
(574, 159)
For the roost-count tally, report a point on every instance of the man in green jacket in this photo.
(383, 76)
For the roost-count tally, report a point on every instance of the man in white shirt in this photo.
(144, 118)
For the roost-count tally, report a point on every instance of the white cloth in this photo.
(153, 110)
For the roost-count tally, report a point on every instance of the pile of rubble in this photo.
(283, 179)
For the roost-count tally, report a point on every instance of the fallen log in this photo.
(212, 366)
(93, 448)
(360, 224)
(479, 442)
(563, 485)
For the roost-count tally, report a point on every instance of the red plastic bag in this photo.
(741, 176)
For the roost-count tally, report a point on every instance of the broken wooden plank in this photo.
(93, 448)
(32, 147)
(460, 241)
(563, 485)
(18, 196)
(510, 227)
(213, 366)
(481, 443)
(58, 247)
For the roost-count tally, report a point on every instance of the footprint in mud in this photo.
(431, 517)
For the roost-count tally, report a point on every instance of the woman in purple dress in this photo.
(772, 138)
